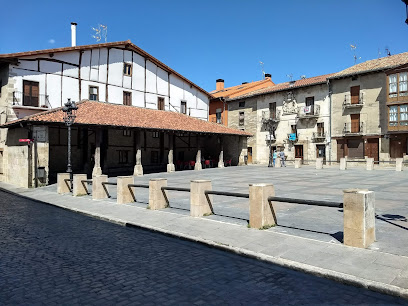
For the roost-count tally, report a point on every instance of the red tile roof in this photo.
(321, 79)
(116, 115)
(379, 64)
(234, 91)
(127, 44)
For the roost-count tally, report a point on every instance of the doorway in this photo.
(249, 155)
(321, 152)
(299, 151)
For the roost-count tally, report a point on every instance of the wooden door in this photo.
(160, 103)
(355, 123)
(371, 148)
(249, 155)
(31, 93)
(299, 151)
(355, 94)
(341, 149)
(272, 110)
(396, 148)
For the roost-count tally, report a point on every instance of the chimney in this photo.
(268, 76)
(219, 85)
(73, 34)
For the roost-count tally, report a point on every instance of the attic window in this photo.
(354, 77)
(242, 104)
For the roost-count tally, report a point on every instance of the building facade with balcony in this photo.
(291, 116)
(359, 112)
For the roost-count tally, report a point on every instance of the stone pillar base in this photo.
(62, 186)
(343, 164)
(278, 163)
(138, 170)
(221, 164)
(198, 166)
(171, 168)
(298, 162)
(97, 189)
(96, 171)
(78, 188)
(199, 205)
(157, 200)
(398, 164)
(260, 214)
(319, 163)
(370, 163)
(359, 217)
(123, 192)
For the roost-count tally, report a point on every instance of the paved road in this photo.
(52, 256)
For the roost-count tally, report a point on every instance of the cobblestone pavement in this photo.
(52, 256)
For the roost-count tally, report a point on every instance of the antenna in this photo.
(353, 48)
(290, 76)
(379, 53)
(387, 51)
(262, 69)
(101, 32)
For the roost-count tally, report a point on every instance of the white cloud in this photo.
(51, 41)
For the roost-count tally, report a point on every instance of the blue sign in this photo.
(292, 136)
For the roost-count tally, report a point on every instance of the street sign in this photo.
(25, 140)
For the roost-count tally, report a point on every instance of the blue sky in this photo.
(207, 40)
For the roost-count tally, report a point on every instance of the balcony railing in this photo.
(216, 120)
(319, 136)
(348, 103)
(312, 111)
(40, 101)
(353, 128)
(268, 116)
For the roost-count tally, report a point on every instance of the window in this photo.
(123, 156)
(127, 133)
(155, 134)
(31, 93)
(160, 103)
(241, 118)
(93, 93)
(183, 107)
(403, 109)
(320, 129)
(127, 69)
(393, 120)
(154, 157)
(127, 98)
(310, 105)
(293, 129)
(403, 83)
(218, 113)
(242, 104)
(272, 110)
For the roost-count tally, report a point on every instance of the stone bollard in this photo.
(370, 163)
(278, 162)
(97, 189)
(343, 164)
(359, 217)
(123, 192)
(298, 163)
(78, 188)
(62, 186)
(157, 199)
(319, 163)
(260, 214)
(199, 205)
(399, 164)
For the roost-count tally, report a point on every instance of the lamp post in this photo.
(271, 129)
(69, 110)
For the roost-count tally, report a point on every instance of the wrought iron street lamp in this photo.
(69, 110)
(271, 129)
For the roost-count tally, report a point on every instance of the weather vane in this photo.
(101, 32)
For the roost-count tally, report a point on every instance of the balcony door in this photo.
(31, 93)
(355, 123)
(355, 94)
(272, 110)
(310, 103)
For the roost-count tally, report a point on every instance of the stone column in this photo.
(359, 217)
(97, 189)
(198, 165)
(243, 150)
(370, 163)
(157, 199)
(170, 165)
(260, 213)
(199, 205)
(399, 164)
(298, 163)
(97, 170)
(221, 157)
(138, 170)
(123, 193)
(62, 186)
(343, 164)
(78, 188)
(319, 163)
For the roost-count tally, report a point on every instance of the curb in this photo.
(305, 268)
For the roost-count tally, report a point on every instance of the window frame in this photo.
(154, 157)
(397, 85)
(127, 72)
(97, 92)
(123, 157)
(155, 134)
(241, 119)
(30, 84)
(161, 102)
(128, 94)
(183, 106)
(241, 104)
(127, 133)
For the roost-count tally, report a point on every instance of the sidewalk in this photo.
(372, 269)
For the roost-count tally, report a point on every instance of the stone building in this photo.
(292, 116)
(360, 119)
